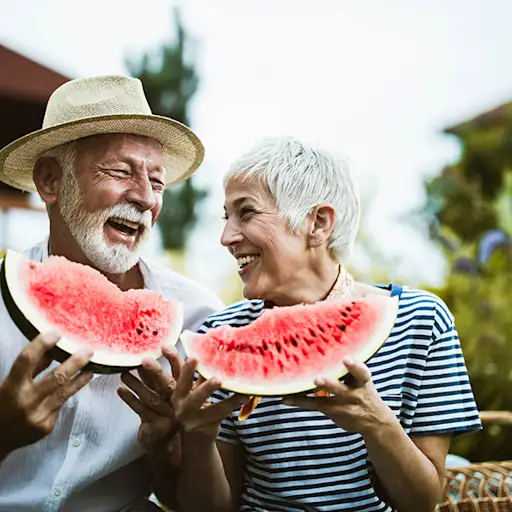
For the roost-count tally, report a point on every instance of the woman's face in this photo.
(268, 254)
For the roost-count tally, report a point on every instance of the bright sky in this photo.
(375, 80)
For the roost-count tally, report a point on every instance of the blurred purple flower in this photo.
(491, 241)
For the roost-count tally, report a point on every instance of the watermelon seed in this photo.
(313, 333)
(349, 308)
(320, 349)
(139, 331)
(281, 365)
(221, 346)
(344, 314)
(261, 351)
(296, 359)
(342, 327)
(278, 346)
(155, 332)
(265, 346)
(320, 328)
(294, 342)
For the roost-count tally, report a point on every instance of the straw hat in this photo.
(99, 105)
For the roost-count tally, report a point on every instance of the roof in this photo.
(496, 116)
(24, 78)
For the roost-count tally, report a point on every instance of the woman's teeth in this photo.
(245, 260)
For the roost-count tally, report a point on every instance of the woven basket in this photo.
(482, 487)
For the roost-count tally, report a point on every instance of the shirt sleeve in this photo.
(446, 403)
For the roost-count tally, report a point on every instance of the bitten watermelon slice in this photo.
(87, 309)
(285, 349)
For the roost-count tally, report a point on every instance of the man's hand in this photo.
(193, 407)
(151, 400)
(29, 409)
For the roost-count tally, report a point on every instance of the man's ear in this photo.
(322, 218)
(47, 176)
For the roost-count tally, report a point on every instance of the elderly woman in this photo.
(379, 441)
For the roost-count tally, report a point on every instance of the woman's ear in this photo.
(47, 176)
(323, 217)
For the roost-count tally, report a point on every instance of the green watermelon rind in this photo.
(379, 336)
(31, 322)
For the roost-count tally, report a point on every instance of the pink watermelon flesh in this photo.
(85, 305)
(297, 343)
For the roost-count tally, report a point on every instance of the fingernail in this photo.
(320, 382)
(52, 336)
(85, 352)
(349, 361)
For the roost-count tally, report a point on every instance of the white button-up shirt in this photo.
(92, 461)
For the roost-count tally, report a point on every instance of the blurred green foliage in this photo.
(469, 213)
(170, 81)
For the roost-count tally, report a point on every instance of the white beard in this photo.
(88, 228)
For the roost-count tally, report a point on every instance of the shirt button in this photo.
(76, 441)
(57, 491)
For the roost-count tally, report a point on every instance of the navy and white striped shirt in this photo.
(298, 460)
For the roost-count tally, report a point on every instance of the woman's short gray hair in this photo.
(301, 176)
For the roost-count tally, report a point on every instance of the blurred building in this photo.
(25, 86)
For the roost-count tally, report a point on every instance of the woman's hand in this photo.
(354, 405)
(151, 400)
(193, 407)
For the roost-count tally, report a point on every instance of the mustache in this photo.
(130, 212)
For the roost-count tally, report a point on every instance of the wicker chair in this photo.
(481, 487)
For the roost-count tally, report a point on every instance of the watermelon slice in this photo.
(285, 349)
(88, 310)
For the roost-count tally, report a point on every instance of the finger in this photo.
(147, 396)
(147, 378)
(334, 387)
(186, 379)
(172, 355)
(144, 412)
(45, 362)
(198, 380)
(360, 373)
(133, 402)
(164, 383)
(61, 376)
(56, 400)
(217, 412)
(30, 357)
(203, 392)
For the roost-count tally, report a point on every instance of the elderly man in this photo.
(100, 163)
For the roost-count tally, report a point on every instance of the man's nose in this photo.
(142, 194)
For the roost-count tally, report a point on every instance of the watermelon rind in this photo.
(31, 322)
(388, 311)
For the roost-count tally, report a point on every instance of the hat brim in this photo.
(183, 151)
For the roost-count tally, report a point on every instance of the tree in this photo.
(469, 213)
(170, 82)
